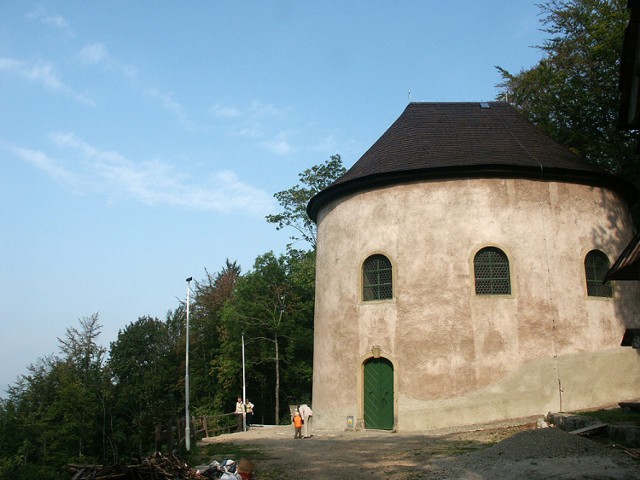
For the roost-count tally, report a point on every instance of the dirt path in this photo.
(497, 454)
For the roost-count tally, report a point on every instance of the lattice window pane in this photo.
(491, 268)
(377, 278)
(596, 265)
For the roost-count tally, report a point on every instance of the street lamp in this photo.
(244, 391)
(187, 428)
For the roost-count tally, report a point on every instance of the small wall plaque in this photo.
(350, 422)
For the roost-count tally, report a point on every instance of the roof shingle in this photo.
(450, 140)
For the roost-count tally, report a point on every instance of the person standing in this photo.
(307, 415)
(240, 413)
(297, 424)
(249, 409)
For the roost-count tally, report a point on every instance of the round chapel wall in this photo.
(462, 358)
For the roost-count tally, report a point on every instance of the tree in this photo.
(300, 302)
(207, 334)
(27, 424)
(81, 394)
(258, 308)
(294, 200)
(572, 93)
(273, 307)
(147, 383)
(56, 413)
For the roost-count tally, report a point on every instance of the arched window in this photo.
(596, 265)
(491, 268)
(377, 281)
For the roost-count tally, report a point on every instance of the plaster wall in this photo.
(461, 358)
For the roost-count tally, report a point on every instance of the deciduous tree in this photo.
(208, 332)
(572, 93)
(273, 308)
(294, 200)
(147, 383)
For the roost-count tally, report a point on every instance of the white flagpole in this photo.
(244, 391)
(187, 428)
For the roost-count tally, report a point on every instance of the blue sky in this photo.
(141, 142)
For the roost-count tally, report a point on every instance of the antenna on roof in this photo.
(409, 96)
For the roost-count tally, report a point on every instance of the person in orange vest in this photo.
(297, 423)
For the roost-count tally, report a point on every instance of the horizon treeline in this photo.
(90, 405)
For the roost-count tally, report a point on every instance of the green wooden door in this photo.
(378, 394)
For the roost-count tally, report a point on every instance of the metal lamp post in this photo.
(244, 391)
(187, 429)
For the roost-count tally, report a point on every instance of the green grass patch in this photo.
(614, 416)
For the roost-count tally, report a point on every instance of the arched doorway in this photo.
(378, 394)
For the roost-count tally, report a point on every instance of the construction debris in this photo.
(227, 470)
(163, 467)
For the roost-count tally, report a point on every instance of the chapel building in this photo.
(459, 277)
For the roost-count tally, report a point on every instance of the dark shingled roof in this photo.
(627, 266)
(463, 140)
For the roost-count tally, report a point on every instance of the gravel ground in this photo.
(492, 453)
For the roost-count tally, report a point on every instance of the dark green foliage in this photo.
(273, 308)
(572, 93)
(145, 369)
(294, 200)
(55, 414)
(208, 335)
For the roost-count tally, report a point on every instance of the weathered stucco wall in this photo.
(460, 358)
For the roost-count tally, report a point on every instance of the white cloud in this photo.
(168, 103)
(153, 182)
(279, 144)
(223, 111)
(269, 126)
(259, 121)
(326, 144)
(57, 21)
(252, 130)
(9, 64)
(260, 109)
(47, 164)
(45, 74)
(53, 20)
(129, 71)
(97, 54)
(255, 112)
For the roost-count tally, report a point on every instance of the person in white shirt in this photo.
(249, 409)
(239, 413)
(307, 415)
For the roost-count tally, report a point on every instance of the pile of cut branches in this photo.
(156, 467)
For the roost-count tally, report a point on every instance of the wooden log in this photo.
(590, 430)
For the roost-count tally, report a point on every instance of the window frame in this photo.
(594, 274)
(493, 281)
(376, 288)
